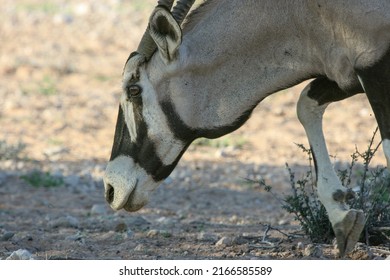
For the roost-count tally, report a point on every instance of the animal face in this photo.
(145, 148)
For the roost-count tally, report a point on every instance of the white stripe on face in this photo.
(128, 112)
(167, 146)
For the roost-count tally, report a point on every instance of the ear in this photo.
(165, 32)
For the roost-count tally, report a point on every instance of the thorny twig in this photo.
(269, 227)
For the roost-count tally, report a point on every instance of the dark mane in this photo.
(195, 15)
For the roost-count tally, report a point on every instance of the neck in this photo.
(224, 70)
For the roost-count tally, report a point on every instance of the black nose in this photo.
(109, 193)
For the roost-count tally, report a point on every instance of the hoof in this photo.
(343, 195)
(348, 230)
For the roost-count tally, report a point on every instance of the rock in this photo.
(388, 258)
(99, 209)
(108, 235)
(207, 237)
(21, 237)
(121, 227)
(152, 233)
(55, 153)
(72, 180)
(137, 221)
(75, 237)
(6, 236)
(129, 234)
(300, 246)
(282, 222)
(224, 241)
(21, 254)
(67, 221)
(234, 219)
(167, 221)
(313, 251)
(139, 248)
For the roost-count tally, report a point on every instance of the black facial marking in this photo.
(376, 82)
(121, 136)
(188, 134)
(142, 150)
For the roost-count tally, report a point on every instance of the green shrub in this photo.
(8, 151)
(42, 179)
(223, 142)
(372, 196)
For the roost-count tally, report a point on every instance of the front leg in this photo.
(347, 223)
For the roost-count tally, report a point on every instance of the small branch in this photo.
(269, 227)
(379, 251)
(381, 228)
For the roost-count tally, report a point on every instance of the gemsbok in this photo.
(202, 75)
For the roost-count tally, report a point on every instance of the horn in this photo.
(147, 46)
(181, 10)
(166, 3)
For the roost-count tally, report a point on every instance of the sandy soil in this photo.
(60, 74)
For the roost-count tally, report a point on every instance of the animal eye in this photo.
(133, 91)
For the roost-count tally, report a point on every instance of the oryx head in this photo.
(145, 148)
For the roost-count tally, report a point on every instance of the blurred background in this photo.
(60, 73)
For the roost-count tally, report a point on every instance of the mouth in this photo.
(119, 199)
(131, 205)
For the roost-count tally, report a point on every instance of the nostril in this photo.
(110, 193)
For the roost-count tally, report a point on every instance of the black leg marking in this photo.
(376, 82)
(343, 196)
(325, 91)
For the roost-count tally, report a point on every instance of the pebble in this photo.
(313, 251)
(224, 241)
(72, 180)
(139, 248)
(137, 221)
(282, 222)
(55, 153)
(300, 246)
(7, 236)
(121, 227)
(108, 235)
(67, 221)
(167, 221)
(207, 237)
(152, 233)
(129, 234)
(21, 254)
(75, 237)
(99, 209)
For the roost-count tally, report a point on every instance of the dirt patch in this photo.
(60, 74)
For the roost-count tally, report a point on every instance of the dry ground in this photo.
(60, 73)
